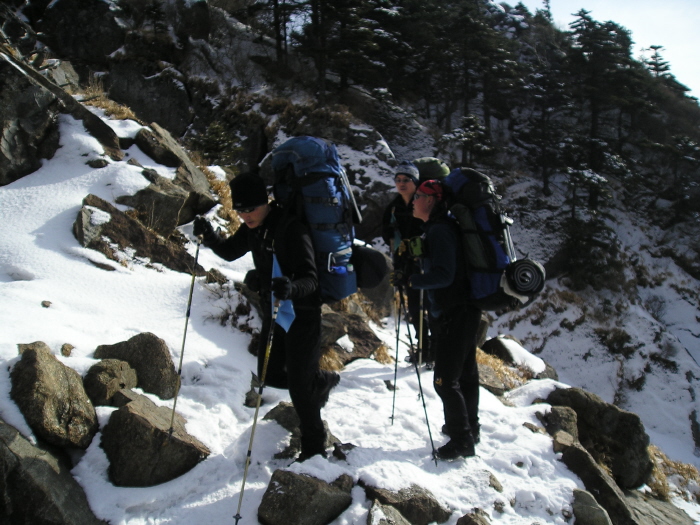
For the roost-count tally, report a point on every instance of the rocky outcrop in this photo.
(102, 227)
(142, 447)
(150, 357)
(52, 398)
(614, 436)
(36, 482)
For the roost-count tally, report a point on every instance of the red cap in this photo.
(431, 187)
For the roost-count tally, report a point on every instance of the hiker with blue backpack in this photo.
(398, 227)
(444, 281)
(285, 264)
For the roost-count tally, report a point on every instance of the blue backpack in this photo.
(497, 280)
(311, 184)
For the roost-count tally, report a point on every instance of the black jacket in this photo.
(290, 240)
(444, 274)
(404, 221)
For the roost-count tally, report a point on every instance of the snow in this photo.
(40, 260)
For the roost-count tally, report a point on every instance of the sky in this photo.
(672, 24)
(40, 260)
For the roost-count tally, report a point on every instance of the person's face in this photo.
(254, 217)
(405, 186)
(422, 205)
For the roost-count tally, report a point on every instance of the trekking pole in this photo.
(397, 290)
(184, 337)
(268, 347)
(417, 367)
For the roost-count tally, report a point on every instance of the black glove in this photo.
(398, 278)
(281, 287)
(203, 228)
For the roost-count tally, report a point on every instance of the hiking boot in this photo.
(331, 381)
(476, 433)
(457, 448)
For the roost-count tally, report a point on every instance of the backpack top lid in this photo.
(431, 168)
(307, 155)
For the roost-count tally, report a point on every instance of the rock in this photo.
(29, 124)
(385, 515)
(106, 378)
(102, 227)
(35, 484)
(364, 341)
(490, 380)
(52, 398)
(150, 357)
(614, 435)
(648, 510)
(598, 482)
(560, 418)
(161, 205)
(296, 499)
(140, 449)
(415, 503)
(497, 348)
(285, 414)
(587, 511)
(476, 517)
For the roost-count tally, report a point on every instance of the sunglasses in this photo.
(247, 210)
(417, 196)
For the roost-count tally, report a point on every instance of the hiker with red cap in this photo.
(444, 281)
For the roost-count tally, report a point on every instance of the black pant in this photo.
(294, 364)
(456, 375)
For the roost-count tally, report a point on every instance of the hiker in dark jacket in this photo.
(456, 376)
(295, 354)
(398, 226)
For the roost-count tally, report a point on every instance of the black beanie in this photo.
(248, 191)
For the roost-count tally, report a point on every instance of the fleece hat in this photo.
(248, 191)
(407, 168)
(431, 187)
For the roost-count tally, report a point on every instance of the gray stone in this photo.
(385, 515)
(52, 398)
(111, 232)
(650, 511)
(560, 418)
(476, 517)
(286, 416)
(415, 503)
(587, 511)
(150, 357)
(104, 379)
(610, 434)
(296, 499)
(141, 449)
(36, 483)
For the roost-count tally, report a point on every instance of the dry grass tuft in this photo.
(94, 95)
(509, 376)
(331, 361)
(671, 478)
(383, 356)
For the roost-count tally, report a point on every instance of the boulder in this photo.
(29, 124)
(297, 499)
(612, 435)
(497, 347)
(385, 515)
(159, 144)
(161, 205)
(83, 30)
(415, 503)
(106, 378)
(141, 449)
(598, 482)
(476, 517)
(102, 227)
(587, 511)
(36, 483)
(364, 341)
(150, 357)
(52, 398)
(286, 416)
(560, 418)
(648, 510)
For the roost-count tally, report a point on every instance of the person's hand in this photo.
(281, 287)
(202, 227)
(402, 247)
(398, 278)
